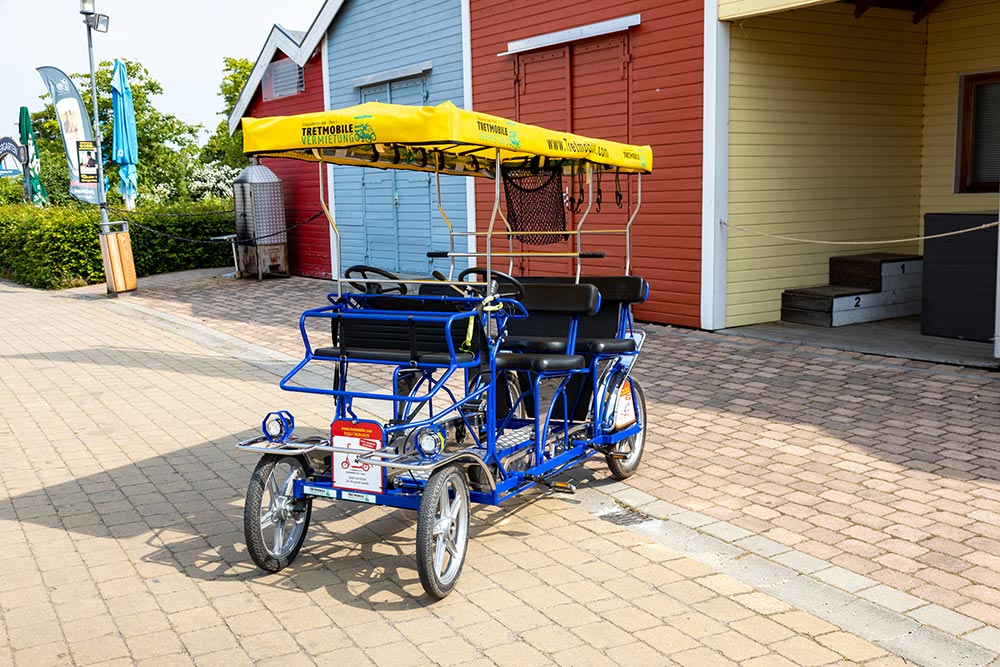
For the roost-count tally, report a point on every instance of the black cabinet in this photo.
(960, 277)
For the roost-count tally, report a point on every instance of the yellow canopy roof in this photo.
(442, 138)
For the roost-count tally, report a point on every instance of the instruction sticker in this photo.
(318, 491)
(357, 497)
(625, 409)
(348, 472)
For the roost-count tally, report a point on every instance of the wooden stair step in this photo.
(839, 305)
(869, 270)
(819, 298)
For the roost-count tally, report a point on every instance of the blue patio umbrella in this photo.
(124, 149)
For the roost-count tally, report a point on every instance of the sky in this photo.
(181, 43)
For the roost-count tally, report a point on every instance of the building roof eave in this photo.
(282, 39)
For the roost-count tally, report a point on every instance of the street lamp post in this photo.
(116, 247)
(99, 21)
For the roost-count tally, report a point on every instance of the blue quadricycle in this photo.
(491, 384)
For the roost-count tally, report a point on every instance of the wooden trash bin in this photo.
(119, 267)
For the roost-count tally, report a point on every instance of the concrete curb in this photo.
(921, 632)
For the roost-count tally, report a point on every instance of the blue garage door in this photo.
(396, 205)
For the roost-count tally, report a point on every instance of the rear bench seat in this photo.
(597, 333)
(556, 310)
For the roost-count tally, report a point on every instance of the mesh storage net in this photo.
(535, 203)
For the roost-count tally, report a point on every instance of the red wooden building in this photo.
(278, 86)
(629, 71)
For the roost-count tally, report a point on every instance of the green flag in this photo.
(39, 196)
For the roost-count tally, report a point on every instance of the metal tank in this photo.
(261, 238)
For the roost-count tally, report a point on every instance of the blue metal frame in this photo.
(555, 444)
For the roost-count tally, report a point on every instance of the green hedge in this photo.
(58, 246)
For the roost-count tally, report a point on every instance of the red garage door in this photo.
(582, 88)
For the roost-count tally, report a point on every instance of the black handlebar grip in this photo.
(434, 254)
(598, 254)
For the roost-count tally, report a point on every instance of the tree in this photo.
(167, 145)
(221, 147)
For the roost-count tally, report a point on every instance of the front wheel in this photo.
(442, 531)
(274, 520)
(623, 459)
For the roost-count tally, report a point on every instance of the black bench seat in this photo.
(543, 333)
(556, 308)
(545, 345)
(403, 330)
(540, 363)
(597, 331)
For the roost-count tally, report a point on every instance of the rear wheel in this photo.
(274, 520)
(623, 459)
(442, 531)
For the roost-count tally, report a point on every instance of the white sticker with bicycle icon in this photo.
(348, 472)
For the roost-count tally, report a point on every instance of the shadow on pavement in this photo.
(184, 510)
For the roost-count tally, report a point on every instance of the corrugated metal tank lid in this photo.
(257, 173)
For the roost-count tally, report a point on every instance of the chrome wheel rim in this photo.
(451, 525)
(281, 521)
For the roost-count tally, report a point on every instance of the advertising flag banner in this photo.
(74, 123)
(10, 147)
(39, 196)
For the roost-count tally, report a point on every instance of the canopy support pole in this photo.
(628, 230)
(451, 230)
(489, 236)
(333, 223)
(579, 225)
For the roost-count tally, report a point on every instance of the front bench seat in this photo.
(399, 341)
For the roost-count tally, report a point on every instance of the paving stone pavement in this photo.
(121, 506)
(887, 468)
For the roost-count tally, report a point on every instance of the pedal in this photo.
(562, 487)
(558, 487)
(618, 456)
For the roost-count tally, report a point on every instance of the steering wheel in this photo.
(437, 275)
(514, 288)
(363, 271)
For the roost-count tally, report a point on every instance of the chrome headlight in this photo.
(430, 442)
(278, 426)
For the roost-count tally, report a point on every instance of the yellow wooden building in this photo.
(834, 121)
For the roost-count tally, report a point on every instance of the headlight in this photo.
(278, 426)
(430, 442)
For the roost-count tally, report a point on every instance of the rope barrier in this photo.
(250, 242)
(173, 215)
(817, 242)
